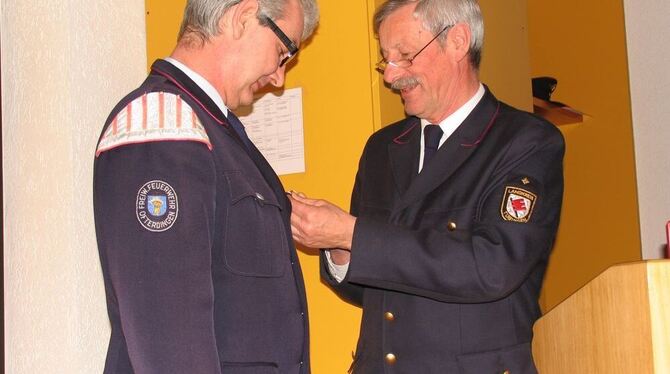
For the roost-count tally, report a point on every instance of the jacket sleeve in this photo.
(351, 292)
(154, 210)
(492, 253)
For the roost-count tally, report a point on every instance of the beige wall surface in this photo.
(648, 35)
(65, 64)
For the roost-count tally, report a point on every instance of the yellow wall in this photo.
(505, 62)
(583, 45)
(335, 72)
(163, 20)
(344, 102)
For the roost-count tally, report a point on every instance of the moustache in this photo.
(405, 82)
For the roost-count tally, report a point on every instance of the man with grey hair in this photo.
(454, 210)
(200, 269)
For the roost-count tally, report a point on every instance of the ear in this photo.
(241, 16)
(458, 40)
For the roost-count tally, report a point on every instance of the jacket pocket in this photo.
(514, 360)
(255, 241)
(249, 368)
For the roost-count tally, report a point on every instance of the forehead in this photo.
(401, 28)
(292, 22)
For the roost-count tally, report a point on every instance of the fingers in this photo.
(299, 236)
(299, 210)
(293, 192)
(296, 194)
(319, 223)
(295, 231)
(296, 234)
(302, 225)
(302, 198)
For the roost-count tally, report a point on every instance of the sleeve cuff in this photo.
(337, 271)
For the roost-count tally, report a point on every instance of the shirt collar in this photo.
(202, 83)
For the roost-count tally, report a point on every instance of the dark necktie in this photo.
(431, 141)
(238, 127)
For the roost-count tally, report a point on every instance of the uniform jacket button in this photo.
(451, 226)
(390, 358)
(389, 316)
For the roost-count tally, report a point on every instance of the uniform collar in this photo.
(202, 83)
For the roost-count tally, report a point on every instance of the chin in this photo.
(246, 99)
(411, 110)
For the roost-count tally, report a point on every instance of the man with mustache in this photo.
(200, 269)
(453, 213)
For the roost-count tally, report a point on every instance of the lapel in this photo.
(453, 153)
(404, 154)
(187, 86)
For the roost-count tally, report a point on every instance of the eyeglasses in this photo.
(290, 46)
(405, 63)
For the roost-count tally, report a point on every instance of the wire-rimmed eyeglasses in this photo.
(407, 62)
(290, 46)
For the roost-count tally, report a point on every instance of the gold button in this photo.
(390, 358)
(389, 316)
(451, 225)
(506, 372)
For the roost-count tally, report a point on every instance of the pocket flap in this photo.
(514, 360)
(249, 368)
(240, 188)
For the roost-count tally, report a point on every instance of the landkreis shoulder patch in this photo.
(517, 204)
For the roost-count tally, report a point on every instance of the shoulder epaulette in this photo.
(153, 117)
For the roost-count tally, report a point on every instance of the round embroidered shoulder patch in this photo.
(157, 206)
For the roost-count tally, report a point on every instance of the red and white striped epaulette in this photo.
(153, 117)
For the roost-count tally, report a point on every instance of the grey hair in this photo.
(201, 17)
(436, 14)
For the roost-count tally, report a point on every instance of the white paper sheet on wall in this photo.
(275, 126)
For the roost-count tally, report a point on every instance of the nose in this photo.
(277, 78)
(391, 73)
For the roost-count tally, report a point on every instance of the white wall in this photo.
(648, 38)
(65, 63)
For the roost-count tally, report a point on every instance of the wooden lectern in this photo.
(617, 323)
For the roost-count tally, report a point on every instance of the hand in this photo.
(320, 224)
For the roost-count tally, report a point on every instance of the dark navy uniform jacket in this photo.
(448, 263)
(200, 270)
